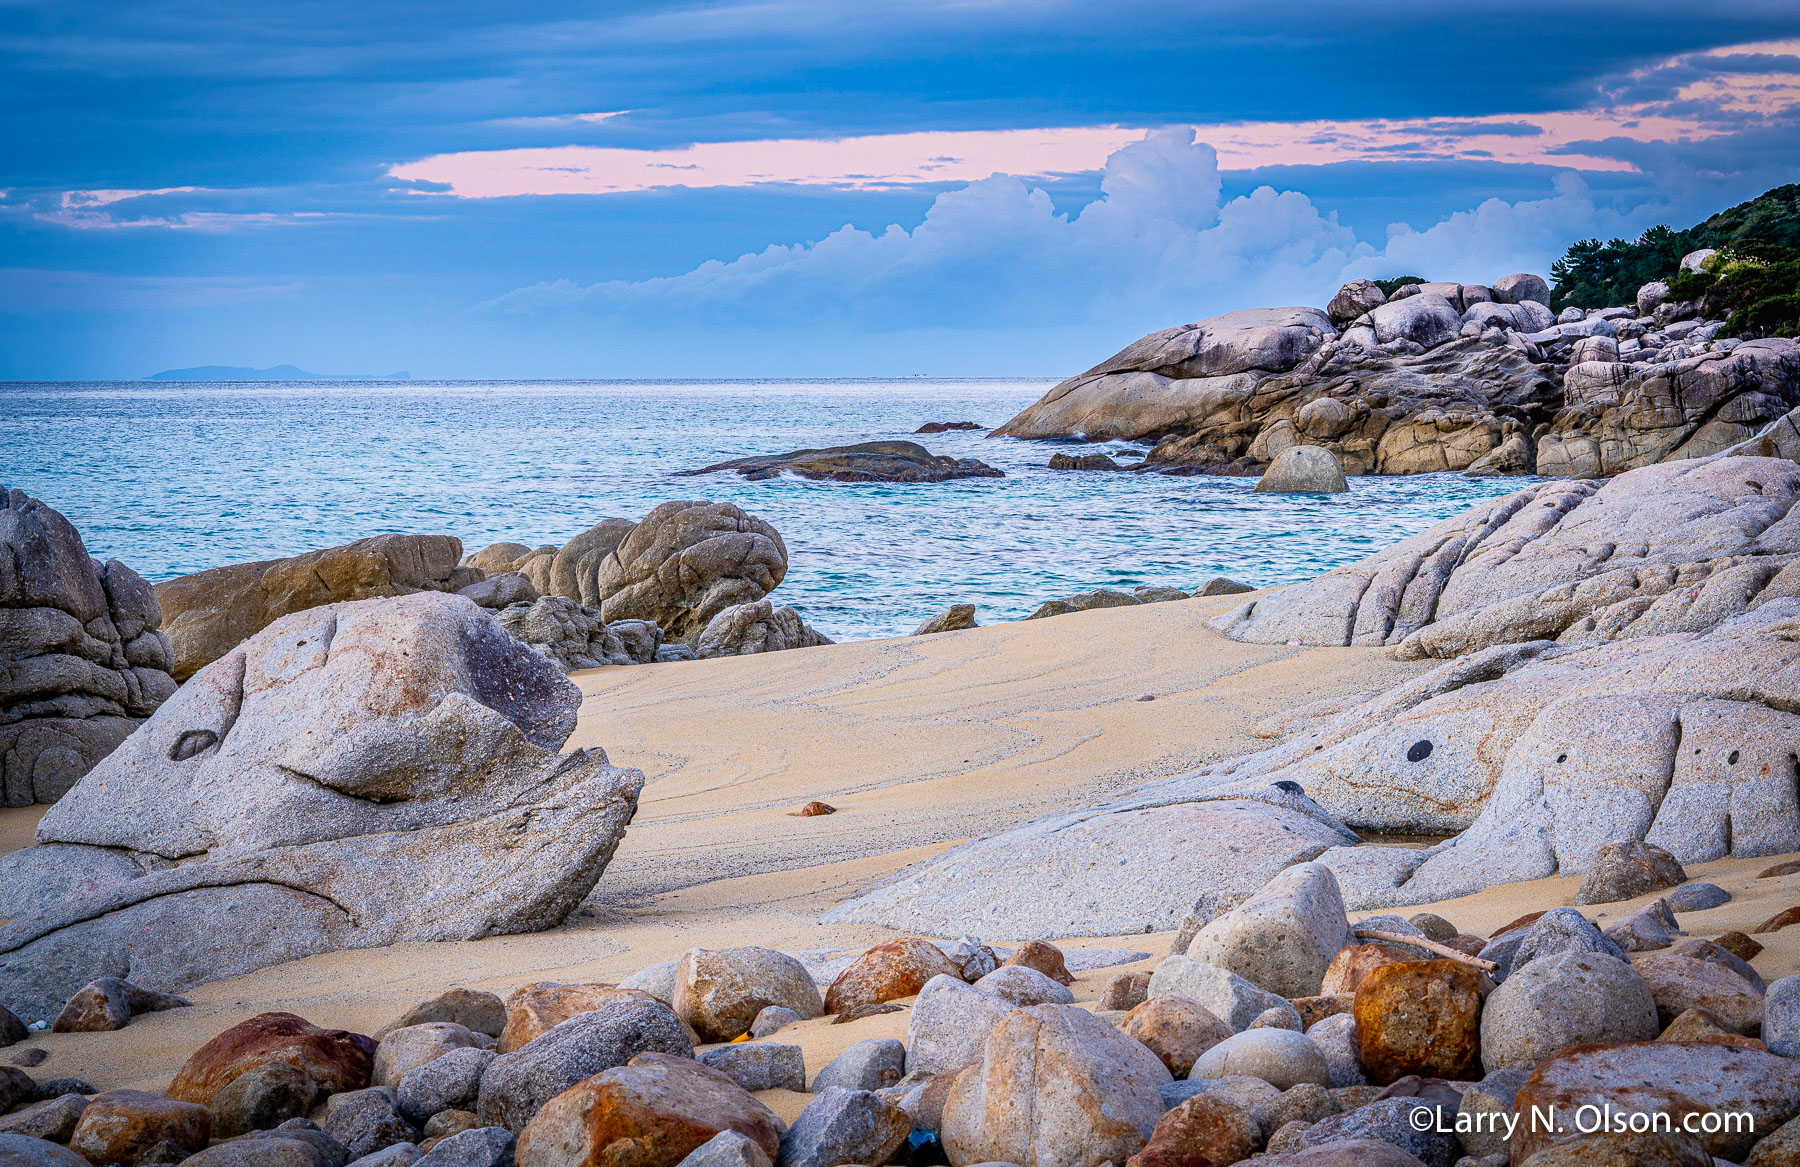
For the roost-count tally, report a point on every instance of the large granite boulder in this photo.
(1175, 378)
(575, 568)
(864, 462)
(688, 561)
(1664, 549)
(82, 660)
(745, 629)
(351, 776)
(209, 613)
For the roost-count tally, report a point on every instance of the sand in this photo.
(919, 743)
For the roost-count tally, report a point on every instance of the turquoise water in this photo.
(173, 478)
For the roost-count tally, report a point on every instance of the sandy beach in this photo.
(919, 743)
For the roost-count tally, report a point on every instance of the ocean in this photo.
(173, 478)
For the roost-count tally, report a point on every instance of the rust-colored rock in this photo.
(1739, 945)
(815, 808)
(1419, 1017)
(887, 972)
(1175, 1029)
(1045, 957)
(651, 1112)
(1699, 1025)
(336, 1059)
(1778, 921)
(1316, 1009)
(536, 1009)
(1204, 1127)
(1788, 868)
(1626, 870)
(1680, 983)
(1676, 1078)
(1356, 961)
(110, 1003)
(1525, 921)
(1607, 1149)
(122, 1126)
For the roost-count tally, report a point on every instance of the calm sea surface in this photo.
(173, 478)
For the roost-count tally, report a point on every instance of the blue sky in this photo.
(791, 187)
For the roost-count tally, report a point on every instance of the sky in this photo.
(769, 188)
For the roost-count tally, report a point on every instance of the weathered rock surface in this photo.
(1203, 1126)
(1055, 1085)
(1625, 871)
(874, 1064)
(1418, 1017)
(334, 1059)
(516, 1085)
(1564, 1000)
(1221, 992)
(1673, 1078)
(688, 561)
(450, 1082)
(948, 1024)
(719, 992)
(209, 613)
(533, 1010)
(955, 618)
(1284, 937)
(82, 658)
(1680, 983)
(1023, 986)
(125, 1126)
(18, 1150)
(404, 1050)
(864, 462)
(367, 1121)
(110, 1003)
(1302, 470)
(337, 754)
(576, 638)
(1280, 1057)
(1175, 1029)
(845, 1126)
(473, 1009)
(744, 629)
(759, 1065)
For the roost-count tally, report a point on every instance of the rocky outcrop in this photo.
(1436, 377)
(688, 561)
(1670, 548)
(744, 629)
(209, 613)
(354, 775)
(575, 637)
(865, 462)
(82, 659)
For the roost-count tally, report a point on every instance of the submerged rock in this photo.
(339, 755)
(84, 658)
(865, 462)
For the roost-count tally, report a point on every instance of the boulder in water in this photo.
(1303, 470)
(865, 462)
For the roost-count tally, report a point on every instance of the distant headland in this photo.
(278, 373)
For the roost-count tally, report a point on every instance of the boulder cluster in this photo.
(1434, 377)
(1276, 1031)
(83, 659)
(354, 775)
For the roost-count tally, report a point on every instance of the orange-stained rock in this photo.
(1356, 961)
(1419, 1017)
(1047, 958)
(1204, 1126)
(887, 972)
(815, 808)
(1609, 1149)
(651, 1112)
(535, 1009)
(1676, 1078)
(1680, 983)
(1699, 1025)
(1778, 921)
(1314, 1009)
(1525, 921)
(1739, 945)
(1175, 1029)
(337, 1060)
(1787, 868)
(122, 1126)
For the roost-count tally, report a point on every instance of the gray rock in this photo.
(1695, 261)
(759, 1065)
(1335, 1037)
(744, 629)
(1303, 470)
(973, 958)
(1280, 1057)
(1713, 953)
(409, 1047)
(1558, 931)
(473, 1009)
(1220, 585)
(1223, 993)
(485, 1146)
(772, 1019)
(874, 1064)
(1353, 300)
(449, 1082)
(262, 1098)
(720, 992)
(1697, 897)
(1277, 1018)
(16, 1087)
(950, 1020)
(1563, 999)
(1021, 986)
(283, 1152)
(398, 1155)
(53, 1119)
(337, 754)
(1781, 1017)
(955, 618)
(845, 1126)
(500, 591)
(1426, 319)
(1387, 1121)
(24, 1151)
(1282, 938)
(575, 568)
(1651, 927)
(1488, 1099)
(515, 1085)
(1520, 287)
(1245, 1093)
(688, 561)
(658, 980)
(572, 636)
(365, 1121)
(1626, 870)
(727, 1149)
(327, 1150)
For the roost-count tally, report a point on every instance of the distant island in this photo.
(278, 373)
